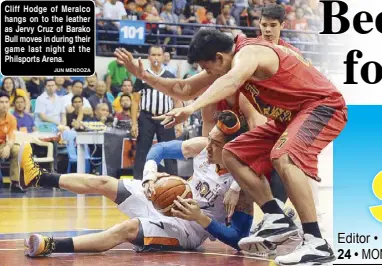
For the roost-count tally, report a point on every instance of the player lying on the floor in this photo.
(148, 229)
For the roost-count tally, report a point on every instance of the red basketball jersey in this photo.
(295, 86)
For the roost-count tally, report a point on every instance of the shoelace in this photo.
(259, 225)
(297, 238)
(36, 165)
(49, 246)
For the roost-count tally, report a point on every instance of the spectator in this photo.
(8, 148)
(152, 103)
(25, 122)
(61, 86)
(225, 18)
(74, 118)
(150, 14)
(116, 74)
(238, 7)
(178, 6)
(113, 9)
(157, 5)
(131, 11)
(19, 83)
(125, 102)
(35, 86)
(300, 23)
(91, 82)
(49, 107)
(127, 88)
(209, 18)
(193, 70)
(12, 91)
(170, 17)
(173, 68)
(190, 16)
(254, 11)
(100, 96)
(77, 89)
(102, 114)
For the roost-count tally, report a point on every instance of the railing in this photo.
(320, 51)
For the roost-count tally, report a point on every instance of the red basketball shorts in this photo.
(302, 139)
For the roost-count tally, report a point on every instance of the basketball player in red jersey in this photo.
(307, 113)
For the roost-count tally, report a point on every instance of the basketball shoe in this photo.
(311, 250)
(273, 230)
(38, 245)
(30, 171)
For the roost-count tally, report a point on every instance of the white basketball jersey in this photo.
(208, 187)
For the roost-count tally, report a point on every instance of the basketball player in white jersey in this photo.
(148, 229)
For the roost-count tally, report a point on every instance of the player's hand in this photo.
(149, 186)
(175, 116)
(178, 130)
(134, 131)
(230, 201)
(187, 209)
(126, 58)
(5, 152)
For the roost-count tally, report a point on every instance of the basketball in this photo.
(166, 191)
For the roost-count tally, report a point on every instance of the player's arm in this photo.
(253, 117)
(181, 89)
(209, 122)
(240, 226)
(244, 64)
(175, 149)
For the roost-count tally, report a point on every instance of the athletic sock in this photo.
(63, 245)
(49, 180)
(311, 228)
(272, 207)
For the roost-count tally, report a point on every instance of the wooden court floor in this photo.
(60, 214)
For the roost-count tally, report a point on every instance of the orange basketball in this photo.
(166, 191)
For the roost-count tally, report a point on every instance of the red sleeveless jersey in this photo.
(295, 86)
(223, 104)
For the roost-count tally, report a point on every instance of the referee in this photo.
(152, 103)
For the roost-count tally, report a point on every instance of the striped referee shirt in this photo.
(153, 101)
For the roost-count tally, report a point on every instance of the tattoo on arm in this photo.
(244, 204)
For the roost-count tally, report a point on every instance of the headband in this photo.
(229, 130)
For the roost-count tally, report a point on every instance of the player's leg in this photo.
(247, 159)
(34, 175)
(127, 231)
(162, 233)
(125, 193)
(171, 166)
(146, 132)
(295, 156)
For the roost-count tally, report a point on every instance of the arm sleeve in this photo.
(166, 150)
(240, 225)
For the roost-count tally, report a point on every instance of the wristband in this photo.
(149, 171)
(235, 186)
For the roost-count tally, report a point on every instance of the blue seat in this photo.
(110, 97)
(47, 127)
(33, 105)
(69, 136)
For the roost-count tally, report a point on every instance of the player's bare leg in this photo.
(276, 226)
(90, 184)
(34, 175)
(256, 188)
(298, 189)
(127, 231)
(300, 193)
